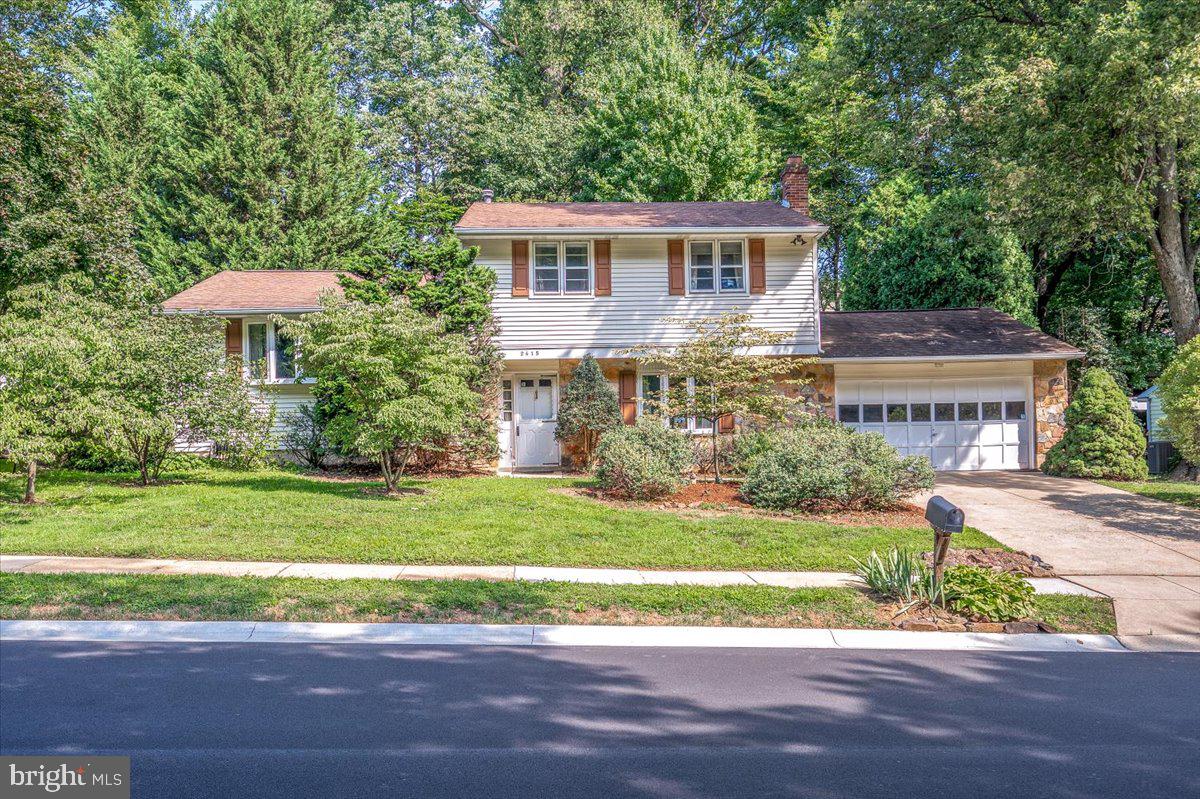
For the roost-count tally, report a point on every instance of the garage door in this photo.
(964, 424)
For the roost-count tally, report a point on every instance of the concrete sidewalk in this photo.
(60, 564)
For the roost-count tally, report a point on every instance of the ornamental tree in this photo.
(729, 381)
(52, 345)
(588, 408)
(1179, 389)
(169, 380)
(1103, 439)
(395, 380)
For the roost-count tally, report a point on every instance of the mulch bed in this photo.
(1000, 560)
(708, 497)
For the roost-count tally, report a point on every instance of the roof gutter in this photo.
(1029, 356)
(641, 232)
(243, 311)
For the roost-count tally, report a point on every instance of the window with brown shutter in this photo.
(725, 423)
(675, 270)
(628, 391)
(603, 250)
(758, 266)
(520, 269)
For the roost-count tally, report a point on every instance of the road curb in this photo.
(543, 635)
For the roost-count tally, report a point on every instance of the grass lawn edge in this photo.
(214, 598)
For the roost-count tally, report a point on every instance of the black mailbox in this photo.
(944, 515)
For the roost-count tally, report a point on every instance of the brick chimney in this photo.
(794, 184)
(487, 194)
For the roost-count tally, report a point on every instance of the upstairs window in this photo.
(716, 267)
(562, 267)
(270, 353)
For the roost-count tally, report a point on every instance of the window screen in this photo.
(577, 274)
(702, 266)
(545, 267)
(733, 277)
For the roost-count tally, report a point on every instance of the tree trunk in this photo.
(1174, 253)
(389, 476)
(715, 453)
(31, 483)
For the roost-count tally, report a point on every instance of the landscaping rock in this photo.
(985, 627)
(952, 627)
(1047, 628)
(997, 559)
(1021, 627)
(918, 625)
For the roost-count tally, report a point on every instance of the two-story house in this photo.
(969, 388)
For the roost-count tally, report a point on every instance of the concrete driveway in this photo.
(1142, 552)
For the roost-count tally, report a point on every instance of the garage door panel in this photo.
(960, 424)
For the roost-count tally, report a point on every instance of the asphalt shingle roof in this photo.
(625, 216)
(946, 333)
(257, 290)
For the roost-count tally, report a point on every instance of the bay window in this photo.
(716, 266)
(562, 267)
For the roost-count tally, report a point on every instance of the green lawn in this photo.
(277, 515)
(1187, 494)
(95, 596)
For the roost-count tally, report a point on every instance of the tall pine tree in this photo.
(267, 171)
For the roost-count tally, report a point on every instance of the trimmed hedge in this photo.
(821, 464)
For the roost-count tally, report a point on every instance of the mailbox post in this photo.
(946, 518)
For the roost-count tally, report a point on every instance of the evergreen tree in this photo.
(267, 171)
(587, 409)
(52, 223)
(1103, 439)
(910, 250)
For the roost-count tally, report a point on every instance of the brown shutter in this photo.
(675, 275)
(233, 338)
(628, 386)
(725, 423)
(520, 269)
(603, 267)
(758, 266)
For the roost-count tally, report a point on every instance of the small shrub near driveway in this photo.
(818, 465)
(645, 461)
(984, 594)
(1103, 440)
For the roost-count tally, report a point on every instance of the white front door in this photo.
(536, 415)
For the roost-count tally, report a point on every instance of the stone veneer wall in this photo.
(816, 388)
(1050, 397)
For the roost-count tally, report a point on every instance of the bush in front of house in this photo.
(817, 465)
(1103, 439)
(981, 593)
(645, 461)
(304, 435)
(588, 408)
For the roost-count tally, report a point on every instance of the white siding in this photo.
(567, 326)
(287, 397)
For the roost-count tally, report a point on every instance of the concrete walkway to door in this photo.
(1142, 552)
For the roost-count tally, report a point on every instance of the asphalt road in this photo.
(295, 720)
